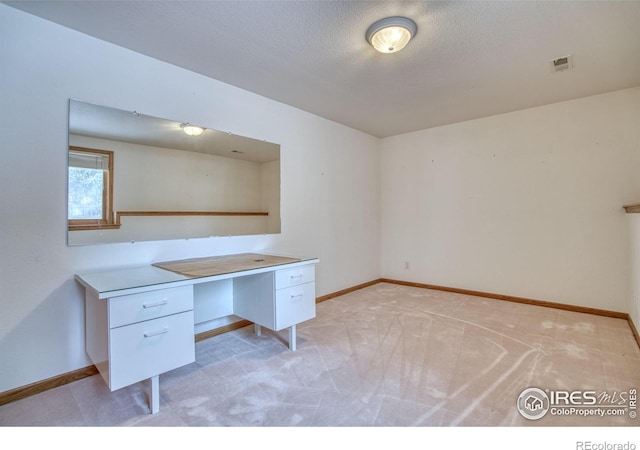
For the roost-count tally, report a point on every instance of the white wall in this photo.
(330, 184)
(525, 204)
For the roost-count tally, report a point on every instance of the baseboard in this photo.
(221, 330)
(634, 330)
(60, 380)
(69, 377)
(44, 385)
(528, 301)
(346, 291)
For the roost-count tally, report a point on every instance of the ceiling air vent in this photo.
(561, 64)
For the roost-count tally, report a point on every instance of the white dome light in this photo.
(391, 34)
(191, 130)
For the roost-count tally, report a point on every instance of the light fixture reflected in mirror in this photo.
(197, 188)
(391, 34)
(191, 130)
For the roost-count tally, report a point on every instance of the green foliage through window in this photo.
(86, 190)
(90, 188)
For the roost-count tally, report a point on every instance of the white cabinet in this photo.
(133, 308)
(277, 300)
(140, 321)
(295, 276)
(142, 350)
(136, 337)
(295, 293)
(294, 305)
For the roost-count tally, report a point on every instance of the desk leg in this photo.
(292, 338)
(154, 402)
(257, 329)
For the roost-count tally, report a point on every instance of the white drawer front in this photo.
(146, 349)
(135, 308)
(295, 304)
(292, 277)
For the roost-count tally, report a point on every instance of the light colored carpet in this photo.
(386, 355)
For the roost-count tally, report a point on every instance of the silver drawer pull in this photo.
(296, 276)
(155, 333)
(152, 305)
(297, 296)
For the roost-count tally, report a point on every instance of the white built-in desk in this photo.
(140, 320)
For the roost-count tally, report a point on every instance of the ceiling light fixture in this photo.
(191, 130)
(391, 34)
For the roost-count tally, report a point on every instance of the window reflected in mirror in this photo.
(90, 188)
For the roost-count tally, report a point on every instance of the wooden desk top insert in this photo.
(217, 265)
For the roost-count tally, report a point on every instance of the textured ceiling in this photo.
(86, 119)
(468, 59)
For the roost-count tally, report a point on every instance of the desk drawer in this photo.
(146, 349)
(293, 277)
(295, 304)
(135, 308)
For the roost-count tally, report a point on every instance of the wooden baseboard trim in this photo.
(60, 380)
(528, 301)
(221, 330)
(324, 298)
(44, 385)
(634, 330)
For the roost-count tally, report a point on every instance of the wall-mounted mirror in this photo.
(134, 177)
